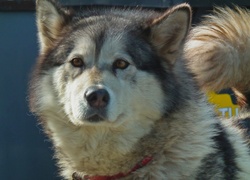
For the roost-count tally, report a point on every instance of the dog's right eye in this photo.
(120, 64)
(77, 62)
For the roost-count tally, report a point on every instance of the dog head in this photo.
(107, 66)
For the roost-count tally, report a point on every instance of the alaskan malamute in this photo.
(117, 99)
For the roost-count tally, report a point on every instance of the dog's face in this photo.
(105, 84)
(107, 68)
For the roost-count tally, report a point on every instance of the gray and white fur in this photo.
(111, 87)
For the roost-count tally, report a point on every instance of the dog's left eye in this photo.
(120, 64)
(77, 62)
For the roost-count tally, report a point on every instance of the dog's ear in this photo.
(51, 22)
(168, 32)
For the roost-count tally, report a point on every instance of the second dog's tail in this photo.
(218, 51)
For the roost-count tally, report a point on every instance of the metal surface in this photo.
(24, 151)
(24, 5)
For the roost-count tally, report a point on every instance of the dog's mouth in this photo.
(95, 118)
(95, 115)
(100, 118)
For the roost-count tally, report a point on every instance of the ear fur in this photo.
(168, 32)
(51, 20)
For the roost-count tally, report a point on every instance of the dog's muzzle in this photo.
(97, 99)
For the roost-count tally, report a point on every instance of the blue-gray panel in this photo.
(157, 3)
(24, 152)
(22, 5)
(145, 3)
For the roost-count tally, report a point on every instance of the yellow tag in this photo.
(223, 103)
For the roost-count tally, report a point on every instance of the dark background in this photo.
(25, 153)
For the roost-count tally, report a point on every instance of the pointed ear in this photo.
(51, 21)
(168, 32)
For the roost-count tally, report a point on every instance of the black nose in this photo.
(97, 98)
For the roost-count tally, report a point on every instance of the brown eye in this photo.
(120, 64)
(77, 62)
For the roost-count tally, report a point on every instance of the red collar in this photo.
(139, 165)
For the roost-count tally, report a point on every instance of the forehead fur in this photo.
(122, 27)
(136, 29)
(102, 23)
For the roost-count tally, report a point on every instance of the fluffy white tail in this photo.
(218, 51)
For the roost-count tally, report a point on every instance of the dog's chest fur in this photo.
(107, 151)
